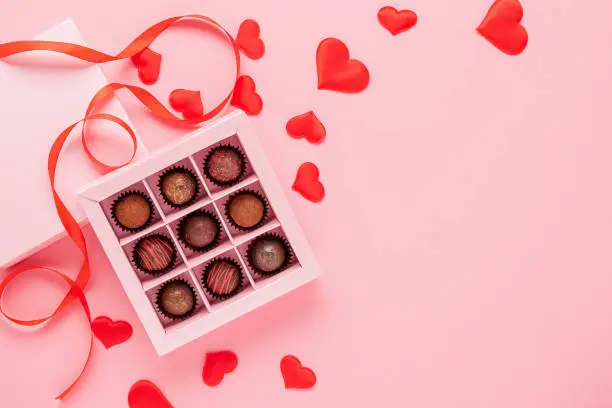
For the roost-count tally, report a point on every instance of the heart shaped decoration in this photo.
(189, 103)
(336, 71)
(307, 126)
(148, 63)
(307, 183)
(145, 394)
(502, 27)
(111, 333)
(218, 364)
(396, 21)
(248, 39)
(295, 375)
(245, 96)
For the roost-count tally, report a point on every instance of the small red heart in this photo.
(189, 103)
(295, 375)
(307, 183)
(336, 71)
(245, 96)
(308, 126)
(145, 394)
(396, 21)
(502, 27)
(148, 63)
(217, 365)
(111, 333)
(248, 39)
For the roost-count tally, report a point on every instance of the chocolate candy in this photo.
(199, 230)
(222, 278)
(154, 254)
(132, 211)
(178, 187)
(246, 210)
(224, 165)
(268, 254)
(176, 299)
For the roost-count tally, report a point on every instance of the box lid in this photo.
(38, 102)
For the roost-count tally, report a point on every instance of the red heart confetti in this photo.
(502, 27)
(295, 375)
(245, 96)
(218, 364)
(111, 333)
(189, 103)
(307, 126)
(396, 21)
(307, 183)
(336, 71)
(248, 39)
(145, 394)
(148, 63)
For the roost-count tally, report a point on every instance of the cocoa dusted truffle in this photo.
(132, 211)
(176, 299)
(222, 278)
(179, 187)
(200, 230)
(269, 254)
(246, 210)
(225, 165)
(154, 254)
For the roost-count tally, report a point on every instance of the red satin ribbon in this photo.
(72, 227)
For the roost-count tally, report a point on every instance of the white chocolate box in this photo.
(97, 198)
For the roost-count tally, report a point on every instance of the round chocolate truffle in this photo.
(246, 209)
(222, 278)
(178, 187)
(154, 254)
(132, 211)
(200, 230)
(176, 299)
(224, 165)
(268, 254)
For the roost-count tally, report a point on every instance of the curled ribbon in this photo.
(77, 286)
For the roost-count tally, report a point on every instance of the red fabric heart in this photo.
(307, 183)
(308, 126)
(396, 21)
(217, 365)
(248, 39)
(502, 27)
(295, 375)
(111, 333)
(189, 103)
(336, 71)
(148, 63)
(145, 394)
(245, 96)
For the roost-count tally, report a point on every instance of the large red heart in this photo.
(502, 26)
(248, 39)
(307, 183)
(295, 375)
(307, 126)
(148, 63)
(245, 96)
(111, 333)
(336, 71)
(396, 21)
(189, 103)
(218, 364)
(145, 394)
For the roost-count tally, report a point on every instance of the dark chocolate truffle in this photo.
(200, 230)
(246, 210)
(176, 299)
(222, 278)
(179, 187)
(268, 254)
(132, 211)
(224, 165)
(154, 254)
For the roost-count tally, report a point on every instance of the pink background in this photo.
(475, 187)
